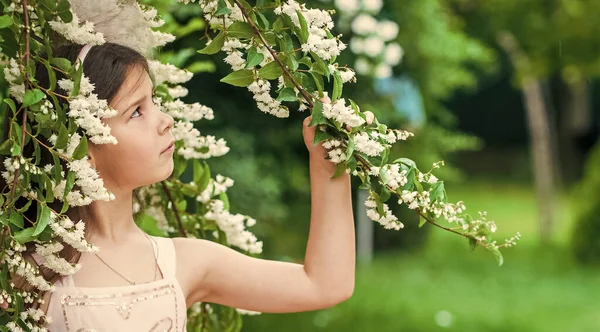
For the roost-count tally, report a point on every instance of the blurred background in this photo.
(506, 93)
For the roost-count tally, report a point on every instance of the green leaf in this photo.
(25, 235)
(149, 225)
(223, 197)
(11, 104)
(64, 11)
(202, 67)
(222, 8)
(254, 58)
(62, 63)
(318, 81)
(32, 97)
(215, 46)
(472, 243)
(16, 219)
(317, 114)
(15, 150)
(498, 256)
(43, 220)
(286, 43)
(82, 149)
(337, 86)
(5, 21)
(198, 170)
(320, 136)
(422, 221)
(437, 191)
(241, 78)
(287, 94)
(51, 75)
(70, 183)
(263, 20)
(240, 30)
(270, 71)
(319, 65)
(278, 25)
(205, 179)
(340, 169)
(6, 146)
(303, 28)
(62, 138)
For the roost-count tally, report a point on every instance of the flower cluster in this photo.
(373, 39)
(343, 114)
(78, 33)
(87, 111)
(319, 22)
(180, 110)
(168, 73)
(261, 90)
(196, 146)
(233, 225)
(386, 219)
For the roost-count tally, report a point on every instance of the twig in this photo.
(168, 192)
(305, 94)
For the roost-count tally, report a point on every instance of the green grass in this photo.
(537, 289)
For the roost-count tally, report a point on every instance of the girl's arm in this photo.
(217, 274)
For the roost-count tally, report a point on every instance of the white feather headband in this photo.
(123, 22)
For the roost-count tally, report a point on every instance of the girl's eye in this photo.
(138, 111)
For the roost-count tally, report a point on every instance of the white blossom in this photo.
(195, 145)
(168, 73)
(338, 111)
(387, 30)
(372, 6)
(364, 24)
(234, 228)
(348, 6)
(54, 262)
(383, 71)
(362, 66)
(178, 91)
(191, 112)
(393, 54)
(236, 60)
(71, 233)
(373, 46)
(79, 34)
(367, 145)
(387, 220)
(265, 102)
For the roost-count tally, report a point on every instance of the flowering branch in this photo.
(266, 44)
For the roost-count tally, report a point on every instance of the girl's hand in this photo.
(4, 305)
(319, 151)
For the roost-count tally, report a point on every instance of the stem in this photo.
(305, 94)
(47, 147)
(309, 100)
(179, 224)
(24, 120)
(429, 220)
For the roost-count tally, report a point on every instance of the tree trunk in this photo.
(539, 133)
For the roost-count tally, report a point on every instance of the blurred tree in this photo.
(544, 38)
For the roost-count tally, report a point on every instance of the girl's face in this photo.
(143, 132)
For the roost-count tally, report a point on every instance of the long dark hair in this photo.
(107, 67)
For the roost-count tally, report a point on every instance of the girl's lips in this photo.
(170, 148)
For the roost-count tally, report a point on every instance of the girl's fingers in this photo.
(326, 99)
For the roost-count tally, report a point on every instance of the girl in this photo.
(139, 282)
